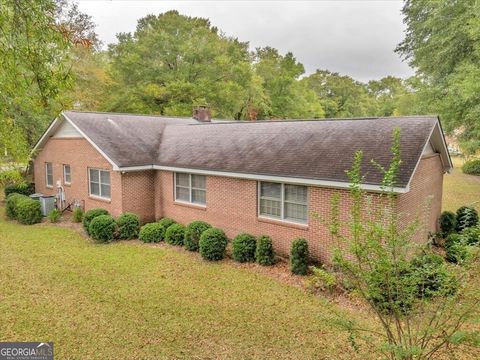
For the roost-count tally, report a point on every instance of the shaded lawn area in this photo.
(128, 300)
(460, 189)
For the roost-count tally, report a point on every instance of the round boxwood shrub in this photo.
(28, 211)
(193, 232)
(472, 235)
(243, 248)
(299, 257)
(102, 228)
(90, 215)
(448, 222)
(467, 217)
(457, 253)
(175, 234)
(128, 226)
(152, 232)
(11, 206)
(264, 254)
(453, 239)
(472, 167)
(166, 222)
(77, 215)
(213, 244)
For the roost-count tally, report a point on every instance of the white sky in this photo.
(350, 37)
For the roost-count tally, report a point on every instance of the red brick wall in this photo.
(80, 155)
(424, 200)
(138, 194)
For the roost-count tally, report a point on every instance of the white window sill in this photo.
(192, 205)
(104, 199)
(277, 221)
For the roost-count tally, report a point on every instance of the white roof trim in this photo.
(283, 179)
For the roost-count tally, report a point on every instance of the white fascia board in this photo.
(256, 177)
(115, 166)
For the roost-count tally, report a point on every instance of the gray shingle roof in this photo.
(310, 149)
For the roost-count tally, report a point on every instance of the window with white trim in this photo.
(283, 201)
(190, 188)
(99, 183)
(49, 174)
(67, 175)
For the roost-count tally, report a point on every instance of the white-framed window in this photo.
(285, 202)
(67, 175)
(49, 174)
(190, 188)
(99, 183)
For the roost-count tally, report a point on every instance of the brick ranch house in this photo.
(264, 177)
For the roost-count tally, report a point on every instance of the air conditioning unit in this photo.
(47, 203)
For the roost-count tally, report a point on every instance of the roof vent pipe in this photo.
(202, 113)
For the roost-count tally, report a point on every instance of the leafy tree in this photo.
(421, 306)
(387, 92)
(441, 42)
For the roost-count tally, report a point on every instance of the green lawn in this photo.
(130, 300)
(460, 189)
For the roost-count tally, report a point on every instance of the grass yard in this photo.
(460, 189)
(132, 301)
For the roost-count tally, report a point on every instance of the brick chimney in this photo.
(202, 113)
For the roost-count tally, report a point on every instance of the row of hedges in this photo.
(102, 227)
(24, 209)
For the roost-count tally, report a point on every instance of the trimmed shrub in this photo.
(128, 226)
(54, 215)
(472, 167)
(77, 215)
(166, 222)
(102, 228)
(193, 232)
(264, 254)
(90, 215)
(11, 206)
(299, 257)
(447, 222)
(472, 236)
(467, 217)
(432, 276)
(175, 234)
(457, 253)
(22, 188)
(213, 244)
(152, 232)
(28, 211)
(243, 248)
(453, 239)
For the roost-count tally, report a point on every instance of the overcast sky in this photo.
(350, 37)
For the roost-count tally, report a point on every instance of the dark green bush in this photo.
(77, 215)
(467, 217)
(128, 226)
(472, 236)
(457, 253)
(453, 239)
(448, 222)
(243, 248)
(392, 290)
(152, 232)
(102, 228)
(11, 206)
(22, 188)
(432, 276)
(54, 215)
(175, 234)
(90, 215)
(299, 257)
(28, 211)
(166, 222)
(212, 244)
(264, 254)
(193, 232)
(472, 167)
